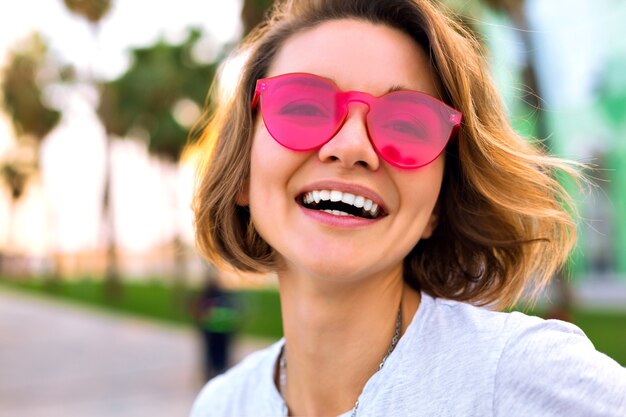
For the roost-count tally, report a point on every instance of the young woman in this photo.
(365, 158)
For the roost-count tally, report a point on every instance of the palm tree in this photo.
(145, 98)
(31, 118)
(15, 174)
(94, 11)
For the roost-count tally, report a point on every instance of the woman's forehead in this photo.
(357, 55)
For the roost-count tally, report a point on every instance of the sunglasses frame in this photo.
(346, 97)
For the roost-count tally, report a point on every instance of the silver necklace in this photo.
(282, 375)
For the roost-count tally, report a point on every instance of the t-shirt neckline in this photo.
(374, 382)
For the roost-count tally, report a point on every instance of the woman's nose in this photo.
(351, 145)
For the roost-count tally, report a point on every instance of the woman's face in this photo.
(356, 55)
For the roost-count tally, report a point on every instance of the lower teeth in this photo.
(337, 213)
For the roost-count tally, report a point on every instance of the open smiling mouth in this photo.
(341, 204)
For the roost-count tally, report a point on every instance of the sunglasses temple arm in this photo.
(255, 100)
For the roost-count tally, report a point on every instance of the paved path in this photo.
(60, 360)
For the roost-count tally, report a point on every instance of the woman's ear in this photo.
(243, 196)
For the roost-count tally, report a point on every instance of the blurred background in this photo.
(106, 308)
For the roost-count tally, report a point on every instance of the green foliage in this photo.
(22, 93)
(607, 331)
(261, 311)
(143, 98)
(155, 300)
(148, 299)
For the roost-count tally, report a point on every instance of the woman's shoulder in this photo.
(442, 321)
(517, 334)
(479, 323)
(445, 332)
(508, 337)
(245, 389)
(540, 367)
(552, 368)
(516, 364)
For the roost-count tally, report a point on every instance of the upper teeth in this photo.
(334, 195)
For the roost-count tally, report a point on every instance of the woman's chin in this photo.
(326, 271)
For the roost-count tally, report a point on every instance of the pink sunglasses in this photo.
(408, 129)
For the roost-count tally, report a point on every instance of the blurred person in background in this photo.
(215, 312)
(366, 159)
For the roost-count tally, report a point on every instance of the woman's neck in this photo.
(336, 336)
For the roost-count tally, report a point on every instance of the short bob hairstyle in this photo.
(503, 220)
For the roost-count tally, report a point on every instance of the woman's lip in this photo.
(351, 188)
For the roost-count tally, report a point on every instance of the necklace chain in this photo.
(282, 376)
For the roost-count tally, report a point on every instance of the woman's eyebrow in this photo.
(301, 82)
(396, 87)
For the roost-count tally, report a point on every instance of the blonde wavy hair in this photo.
(504, 221)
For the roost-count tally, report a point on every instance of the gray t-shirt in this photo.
(455, 360)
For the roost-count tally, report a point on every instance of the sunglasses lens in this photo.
(300, 112)
(409, 130)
